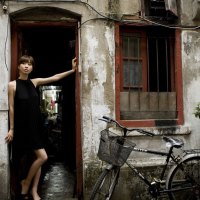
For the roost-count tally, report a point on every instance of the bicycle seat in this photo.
(177, 143)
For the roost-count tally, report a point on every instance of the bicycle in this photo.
(183, 178)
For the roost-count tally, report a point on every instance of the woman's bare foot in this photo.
(25, 187)
(35, 195)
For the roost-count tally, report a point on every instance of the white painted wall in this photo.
(98, 88)
(4, 78)
(191, 82)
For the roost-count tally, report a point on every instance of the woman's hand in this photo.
(9, 136)
(74, 64)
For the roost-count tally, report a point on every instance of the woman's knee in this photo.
(45, 158)
(42, 155)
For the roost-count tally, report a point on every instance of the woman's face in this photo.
(25, 68)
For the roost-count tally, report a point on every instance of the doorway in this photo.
(53, 48)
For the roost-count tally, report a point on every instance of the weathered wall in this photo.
(97, 76)
(91, 111)
(191, 81)
(190, 12)
(190, 67)
(4, 71)
(130, 186)
(97, 81)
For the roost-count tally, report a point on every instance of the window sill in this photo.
(160, 131)
(171, 130)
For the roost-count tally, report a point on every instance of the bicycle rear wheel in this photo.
(105, 184)
(185, 180)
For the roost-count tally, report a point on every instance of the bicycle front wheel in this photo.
(184, 181)
(105, 184)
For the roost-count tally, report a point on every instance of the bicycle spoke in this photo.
(185, 181)
(104, 188)
(105, 185)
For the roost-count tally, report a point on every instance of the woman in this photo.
(25, 121)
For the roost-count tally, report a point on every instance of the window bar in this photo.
(167, 71)
(157, 67)
(138, 60)
(129, 78)
(167, 64)
(148, 79)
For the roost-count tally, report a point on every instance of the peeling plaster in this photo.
(191, 42)
(191, 80)
(191, 68)
(98, 84)
(109, 36)
(187, 44)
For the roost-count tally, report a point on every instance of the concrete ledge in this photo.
(160, 131)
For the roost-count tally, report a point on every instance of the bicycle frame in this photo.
(169, 155)
(155, 188)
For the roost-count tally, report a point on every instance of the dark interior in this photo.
(52, 49)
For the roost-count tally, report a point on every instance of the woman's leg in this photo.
(41, 158)
(34, 189)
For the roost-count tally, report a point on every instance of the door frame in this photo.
(15, 29)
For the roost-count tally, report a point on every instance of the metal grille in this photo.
(148, 81)
(114, 149)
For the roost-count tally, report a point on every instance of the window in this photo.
(132, 56)
(159, 8)
(148, 75)
(154, 8)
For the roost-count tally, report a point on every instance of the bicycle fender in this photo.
(188, 156)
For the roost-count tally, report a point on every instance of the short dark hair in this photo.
(26, 59)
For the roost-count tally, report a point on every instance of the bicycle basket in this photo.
(111, 151)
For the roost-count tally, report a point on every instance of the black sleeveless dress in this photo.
(27, 119)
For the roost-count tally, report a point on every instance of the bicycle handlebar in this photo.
(125, 129)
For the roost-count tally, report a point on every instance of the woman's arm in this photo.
(57, 77)
(11, 95)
